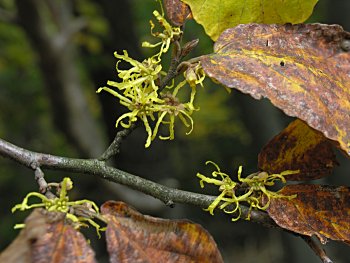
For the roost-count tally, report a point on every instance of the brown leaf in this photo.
(62, 243)
(177, 11)
(298, 147)
(133, 237)
(20, 249)
(303, 69)
(318, 210)
(47, 238)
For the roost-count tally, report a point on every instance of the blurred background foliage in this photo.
(37, 111)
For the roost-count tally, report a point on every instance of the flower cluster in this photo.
(62, 204)
(253, 190)
(139, 88)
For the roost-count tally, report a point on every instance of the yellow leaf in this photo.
(217, 15)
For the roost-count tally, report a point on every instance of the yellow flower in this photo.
(62, 204)
(254, 187)
(138, 89)
(169, 34)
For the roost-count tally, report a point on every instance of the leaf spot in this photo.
(345, 45)
(33, 240)
(282, 64)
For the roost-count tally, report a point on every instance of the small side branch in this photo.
(177, 55)
(114, 148)
(317, 249)
(43, 185)
(174, 62)
(39, 178)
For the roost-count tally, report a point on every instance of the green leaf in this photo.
(228, 13)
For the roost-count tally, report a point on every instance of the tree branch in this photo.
(114, 148)
(178, 53)
(169, 196)
(99, 168)
(317, 249)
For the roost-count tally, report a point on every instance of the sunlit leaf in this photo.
(133, 237)
(217, 15)
(47, 238)
(298, 147)
(177, 11)
(318, 210)
(303, 69)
